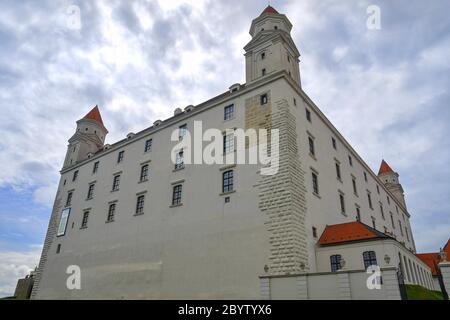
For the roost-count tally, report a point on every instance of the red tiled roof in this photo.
(94, 114)
(384, 168)
(431, 260)
(269, 9)
(351, 231)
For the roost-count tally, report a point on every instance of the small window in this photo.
(295, 102)
(75, 176)
(63, 222)
(90, 194)
(69, 199)
(227, 181)
(312, 150)
(182, 131)
(335, 261)
(288, 58)
(314, 232)
(406, 233)
(263, 56)
(338, 171)
(176, 195)
(84, 222)
(382, 211)
(144, 173)
(120, 156)
(308, 115)
(315, 183)
(227, 199)
(58, 248)
(95, 168)
(358, 214)
(275, 27)
(365, 176)
(369, 199)
(388, 200)
(140, 205)
(116, 183)
(350, 161)
(392, 220)
(111, 212)
(228, 112)
(342, 203)
(228, 143)
(148, 145)
(333, 143)
(378, 189)
(374, 223)
(264, 99)
(65, 181)
(400, 227)
(179, 161)
(355, 190)
(263, 72)
(370, 259)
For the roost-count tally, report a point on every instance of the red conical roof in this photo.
(94, 114)
(269, 9)
(384, 168)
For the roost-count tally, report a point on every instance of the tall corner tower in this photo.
(271, 48)
(391, 181)
(88, 139)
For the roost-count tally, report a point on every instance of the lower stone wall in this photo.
(341, 285)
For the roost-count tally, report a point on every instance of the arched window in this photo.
(370, 259)
(335, 261)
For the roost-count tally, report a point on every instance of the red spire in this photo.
(269, 9)
(94, 114)
(384, 168)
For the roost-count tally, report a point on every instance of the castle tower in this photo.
(391, 181)
(88, 139)
(271, 48)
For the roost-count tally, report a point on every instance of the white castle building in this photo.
(139, 226)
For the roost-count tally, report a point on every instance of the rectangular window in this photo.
(75, 176)
(179, 161)
(140, 205)
(228, 143)
(315, 183)
(312, 150)
(388, 200)
(342, 202)
(350, 161)
(148, 145)
(333, 142)
(374, 223)
(263, 56)
(338, 171)
(335, 261)
(308, 115)
(63, 222)
(227, 181)
(111, 212)
(365, 176)
(144, 173)
(369, 199)
(355, 190)
(116, 183)
(176, 195)
(58, 248)
(264, 99)
(378, 189)
(370, 259)
(84, 222)
(90, 194)
(400, 226)
(406, 232)
(95, 169)
(263, 72)
(392, 220)
(120, 156)
(382, 211)
(228, 112)
(69, 199)
(182, 131)
(358, 213)
(314, 232)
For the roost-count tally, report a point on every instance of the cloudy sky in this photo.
(386, 90)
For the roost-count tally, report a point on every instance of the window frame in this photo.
(369, 257)
(228, 181)
(111, 212)
(144, 172)
(140, 204)
(177, 194)
(148, 145)
(227, 114)
(85, 219)
(335, 262)
(116, 182)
